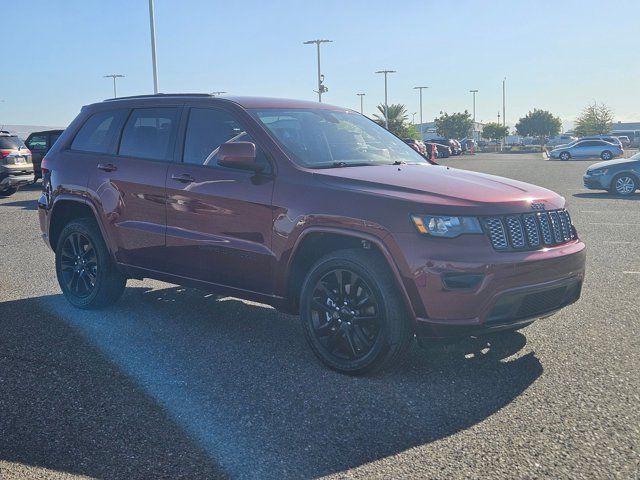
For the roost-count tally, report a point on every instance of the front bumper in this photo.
(493, 290)
(597, 182)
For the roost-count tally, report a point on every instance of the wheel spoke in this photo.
(321, 306)
(348, 335)
(361, 338)
(366, 320)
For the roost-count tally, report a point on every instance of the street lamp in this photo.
(321, 88)
(474, 104)
(152, 23)
(413, 120)
(421, 124)
(114, 76)
(386, 106)
(361, 95)
(504, 115)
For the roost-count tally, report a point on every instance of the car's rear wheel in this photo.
(86, 273)
(624, 184)
(353, 316)
(8, 192)
(606, 155)
(565, 156)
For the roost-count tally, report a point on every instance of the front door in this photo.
(219, 220)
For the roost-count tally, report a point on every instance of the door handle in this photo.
(107, 167)
(184, 178)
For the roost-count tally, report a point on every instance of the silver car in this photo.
(587, 149)
(621, 176)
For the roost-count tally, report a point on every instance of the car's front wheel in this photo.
(606, 155)
(87, 275)
(353, 316)
(8, 192)
(624, 184)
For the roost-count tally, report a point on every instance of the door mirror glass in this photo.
(240, 155)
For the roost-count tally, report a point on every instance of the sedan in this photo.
(621, 176)
(587, 149)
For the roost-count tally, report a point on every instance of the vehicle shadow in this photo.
(24, 204)
(238, 378)
(608, 196)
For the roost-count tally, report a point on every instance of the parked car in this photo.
(449, 142)
(468, 144)
(620, 176)
(417, 145)
(562, 139)
(16, 168)
(626, 142)
(632, 135)
(444, 151)
(587, 149)
(39, 143)
(311, 208)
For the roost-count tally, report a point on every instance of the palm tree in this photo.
(398, 119)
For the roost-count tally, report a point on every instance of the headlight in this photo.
(445, 226)
(599, 171)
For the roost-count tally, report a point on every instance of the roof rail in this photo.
(161, 95)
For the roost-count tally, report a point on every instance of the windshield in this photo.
(326, 139)
(10, 142)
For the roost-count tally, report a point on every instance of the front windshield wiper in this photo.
(399, 162)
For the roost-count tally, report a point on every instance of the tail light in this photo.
(5, 153)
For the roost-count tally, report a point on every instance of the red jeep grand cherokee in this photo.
(311, 208)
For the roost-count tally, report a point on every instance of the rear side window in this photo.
(37, 142)
(100, 133)
(10, 142)
(150, 133)
(207, 129)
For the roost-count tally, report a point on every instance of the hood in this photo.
(447, 190)
(611, 163)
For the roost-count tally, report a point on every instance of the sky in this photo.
(556, 55)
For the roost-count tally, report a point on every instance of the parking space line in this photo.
(612, 242)
(631, 272)
(616, 224)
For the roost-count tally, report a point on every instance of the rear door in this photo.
(219, 220)
(128, 187)
(38, 143)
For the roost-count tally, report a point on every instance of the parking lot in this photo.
(176, 383)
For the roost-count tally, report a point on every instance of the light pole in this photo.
(474, 104)
(504, 116)
(220, 92)
(421, 124)
(361, 95)
(152, 23)
(321, 88)
(386, 106)
(114, 76)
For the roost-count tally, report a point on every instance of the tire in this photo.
(87, 275)
(369, 329)
(564, 156)
(8, 192)
(606, 155)
(624, 184)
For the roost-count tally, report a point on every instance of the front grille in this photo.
(529, 231)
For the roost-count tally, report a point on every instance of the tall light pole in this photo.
(152, 23)
(361, 95)
(474, 104)
(321, 88)
(386, 105)
(114, 76)
(504, 116)
(421, 124)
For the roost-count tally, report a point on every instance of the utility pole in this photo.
(414, 117)
(421, 123)
(504, 116)
(361, 95)
(321, 88)
(386, 105)
(152, 23)
(474, 104)
(114, 76)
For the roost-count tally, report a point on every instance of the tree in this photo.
(456, 125)
(494, 131)
(398, 121)
(539, 123)
(595, 119)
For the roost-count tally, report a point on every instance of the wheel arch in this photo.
(315, 242)
(68, 208)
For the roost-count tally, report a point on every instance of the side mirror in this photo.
(240, 155)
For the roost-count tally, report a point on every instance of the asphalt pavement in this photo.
(176, 383)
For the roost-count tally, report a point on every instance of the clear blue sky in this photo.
(557, 55)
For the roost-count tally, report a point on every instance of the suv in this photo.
(16, 168)
(313, 209)
(39, 143)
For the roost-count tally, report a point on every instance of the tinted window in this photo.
(11, 142)
(207, 130)
(100, 133)
(54, 137)
(37, 142)
(150, 133)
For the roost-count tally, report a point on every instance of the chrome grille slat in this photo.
(529, 231)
